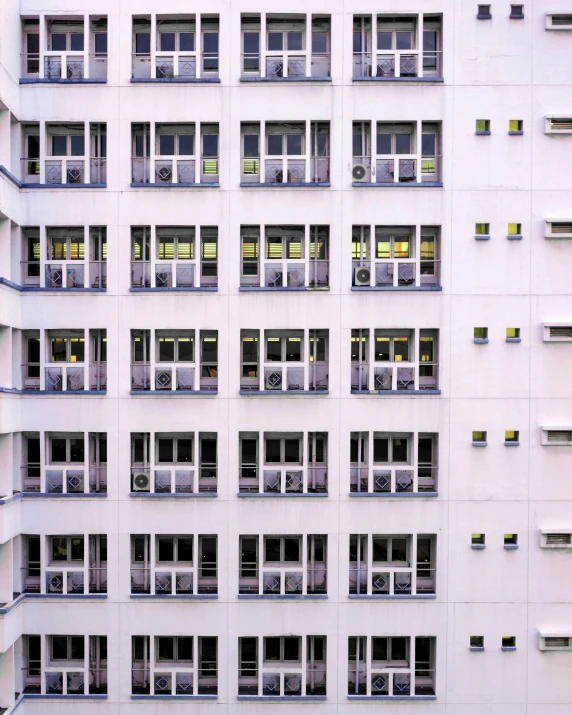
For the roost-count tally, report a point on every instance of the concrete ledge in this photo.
(516, 133)
(424, 80)
(479, 444)
(510, 547)
(359, 289)
(283, 698)
(63, 186)
(285, 393)
(477, 649)
(285, 80)
(478, 547)
(281, 597)
(515, 237)
(83, 80)
(483, 134)
(138, 185)
(398, 185)
(175, 80)
(54, 393)
(174, 697)
(480, 341)
(388, 597)
(512, 444)
(46, 495)
(295, 289)
(30, 696)
(309, 185)
(175, 495)
(385, 495)
(207, 289)
(268, 495)
(174, 393)
(482, 237)
(512, 340)
(175, 596)
(403, 393)
(507, 648)
(38, 289)
(4, 171)
(391, 698)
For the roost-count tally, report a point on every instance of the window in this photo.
(557, 540)
(515, 126)
(395, 139)
(65, 41)
(484, 12)
(391, 449)
(555, 642)
(509, 643)
(176, 143)
(100, 44)
(174, 450)
(511, 437)
(174, 549)
(480, 335)
(176, 41)
(482, 230)
(67, 549)
(175, 349)
(67, 349)
(477, 642)
(67, 450)
(483, 126)
(556, 437)
(390, 652)
(68, 145)
(517, 12)
(178, 649)
(67, 648)
(390, 550)
(479, 437)
(514, 230)
(290, 41)
(478, 540)
(282, 450)
(285, 348)
(283, 549)
(286, 649)
(512, 334)
(511, 539)
(558, 22)
(392, 348)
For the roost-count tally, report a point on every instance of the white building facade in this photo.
(285, 324)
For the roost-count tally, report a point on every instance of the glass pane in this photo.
(165, 450)
(210, 42)
(77, 145)
(401, 248)
(59, 452)
(379, 649)
(77, 548)
(275, 144)
(58, 43)
(294, 41)
(185, 548)
(187, 41)
(272, 649)
(186, 144)
(33, 350)
(59, 548)
(429, 144)
(186, 352)
(166, 551)
(249, 350)
(382, 346)
(59, 145)
(251, 144)
(59, 349)
(403, 40)
(166, 349)
(291, 649)
(275, 41)
(273, 350)
(165, 648)
(380, 450)
(77, 350)
(272, 448)
(293, 349)
(209, 350)
(401, 349)
(274, 247)
(319, 42)
(380, 551)
(292, 451)
(77, 453)
(185, 450)
(384, 144)
(400, 452)
(77, 647)
(210, 145)
(167, 144)
(33, 146)
(403, 143)
(76, 42)
(272, 550)
(33, 43)
(293, 144)
(184, 648)
(292, 549)
(384, 40)
(142, 43)
(251, 42)
(167, 41)
(399, 649)
(100, 43)
(383, 249)
(429, 40)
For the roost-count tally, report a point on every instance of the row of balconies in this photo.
(268, 666)
(269, 463)
(187, 361)
(273, 47)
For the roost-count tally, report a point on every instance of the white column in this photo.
(308, 52)
(44, 452)
(44, 357)
(414, 562)
(152, 148)
(196, 566)
(369, 563)
(415, 358)
(86, 266)
(44, 556)
(86, 45)
(304, 654)
(263, 44)
(417, 250)
(373, 45)
(262, 152)
(368, 659)
(306, 255)
(260, 474)
(153, 254)
(259, 656)
(44, 150)
(86, 152)
(43, 44)
(307, 150)
(370, 483)
(199, 45)
(152, 438)
(153, 45)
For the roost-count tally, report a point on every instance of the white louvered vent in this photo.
(558, 124)
(561, 228)
(556, 642)
(558, 21)
(558, 539)
(563, 331)
(554, 435)
(557, 332)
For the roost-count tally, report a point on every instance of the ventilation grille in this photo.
(558, 539)
(562, 19)
(554, 642)
(561, 124)
(561, 227)
(563, 331)
(559, 435)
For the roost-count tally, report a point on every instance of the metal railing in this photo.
(398, 64)
(71, 66)
(175, 66)
(393, 480)
(182, 580)
(97, 170)
(65, 171)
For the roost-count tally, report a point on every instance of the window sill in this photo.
(480, 341)
(175, 596)
(281, 597)
(37, 80)
(506, 648)
(477, 649)
(33, 289)
(482, 237)
(174, 393)
(404, 393)
(301, 185)
(285, 79)
(428, 80)
(63, 596)
(413, 596)
(179, 289)
(281, 698)
(149, 185)
(173, 495)
(479, 444)
(294, 289)
(478, 547)
(397, 185)
(407, 495)
(512, 444)
(397, 288)
(56, 393)
(174, 697)
(63, 186)
(510, 547)
(284, 393)
(483, 134)
(175, 80)
(280, 495)
(512, 340)
(516, 17)
(517, 133)
(49, 495)
(486, 16)
(515, 237)
(391, 698)
(33, 696)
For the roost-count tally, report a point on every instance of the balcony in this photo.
(174, 665)
(170, 565)
(283, 566)
(174, 258)
(407, 373)
(64, 665)
(406, 154)
(69, 568)
(396, 258)
(58, 155)
(292, 154)
(277, 374)
(291, 258)
(392, 566)
(174, 366)
(172, 159)
(173, 456)
(394, 464)
(167, 48)
(283, 470)
(403, 48)
(282, 670)
(399, 667)
(64, 264)
(293, 48)
(62, 49)
(54, 361)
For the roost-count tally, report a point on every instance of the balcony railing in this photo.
(284, 480)
(178, 480)
(175, 171)
(72, 66)
(65, 171)
(397, 170)
(387, 580)
(69, 480)
(283, 65)
(395, 377)
(184, 680)
(68, 378)
(393, 480)
(286, 170)
(398, 64)
(175, 66)
(181, 580)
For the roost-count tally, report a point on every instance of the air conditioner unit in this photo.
(141, 482)
(361, 172)
(362, 276)
(164, 174)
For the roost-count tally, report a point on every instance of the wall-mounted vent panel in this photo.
(558, 125)
(557, 332)
(556, 436)
(558, 539)
(559, 229)
(557, 21)
(555, 642)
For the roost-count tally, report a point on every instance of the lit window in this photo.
(477, 642)
(483, 126)
(477, 539)
(511, 539)
(479, 437)
(482, 229)
(511, 436)
(508, 642)
(513, 333)
(480, 334)
(515, 126)
(514, 229)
